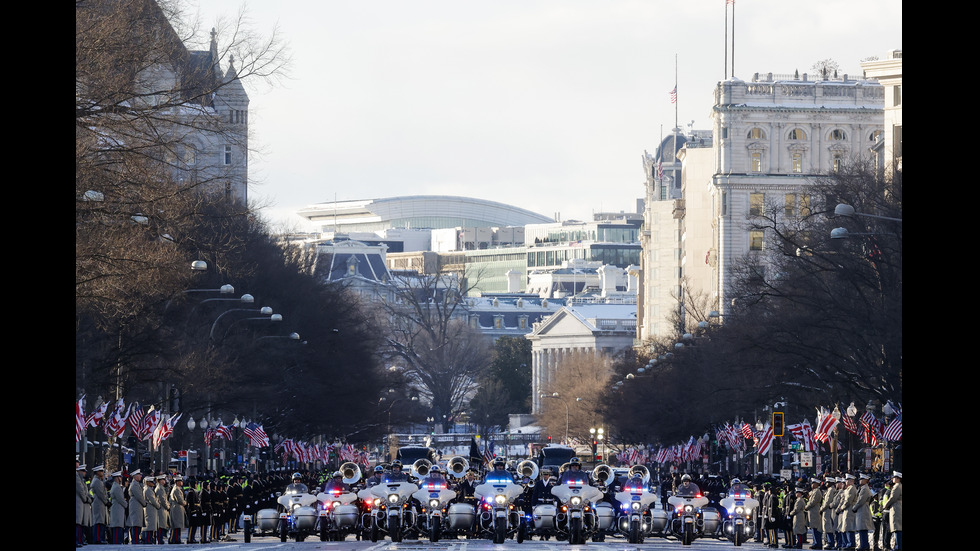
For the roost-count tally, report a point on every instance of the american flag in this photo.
(488, 454)
(747, 431)
(165, 429)
(79, 419)
(894, 430)
(224, 431)
(673, 95)
(765, 442)
(849, 423)
(256, 435)
(115, 424)
(660, 170)
(136, 420)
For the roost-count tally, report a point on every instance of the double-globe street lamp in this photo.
(557, 397)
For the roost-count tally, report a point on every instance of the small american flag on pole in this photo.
(256, 435)
(673, 95)
(79, 419)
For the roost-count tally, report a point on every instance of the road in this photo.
(268, 542)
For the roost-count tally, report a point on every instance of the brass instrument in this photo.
(642, 471)
(421, 468)
(351, 472)
(527, 468)
(458, 466)
(602, 474)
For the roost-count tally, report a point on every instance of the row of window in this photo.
(796, 134)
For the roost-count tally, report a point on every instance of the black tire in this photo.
(687, 537)
(394, 529)
(634, 533)
(499, 532)
(736, 536)
(434, 533)
(247, 531)
(522, 532)
(374, 531)
(283, 534)
(575, 535)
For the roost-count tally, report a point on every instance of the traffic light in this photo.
(549, 438)
(778, 427)
(594, 447)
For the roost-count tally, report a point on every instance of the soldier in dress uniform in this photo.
(194, 517)
(81, 503)
(100, 505)
(846, 517)
(178, 510)
(163, 497)
(862, 511)
(894, 508)
(814, 501)
(829, 522)
(206, 511)
(798, 519)
(117, 509)
(152, 505)
(136, 517)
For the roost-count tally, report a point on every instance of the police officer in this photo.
(335, 484)
(375, 478)
(574, 472)
(136, 517)
(396, 474)
(297, 486)
(235, 494)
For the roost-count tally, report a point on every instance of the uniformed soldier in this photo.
(798, 518)
(829, 522)
(862, 511)
(152, 510)
(894, 508)
(207, 512)
(163, 497)
(178, 510)
(814, 502)
(194, 517)
(81, 503)
(846, 517)
(100, 505)
(117, 509)
(136, 517)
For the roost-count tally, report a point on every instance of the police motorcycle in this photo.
(371, 506)
(434, 496)
(636, 519)
(687, 519)
(544, 512)
(296, 518)
(496, 496)
(603, 477)
(338, 512)
(576, 518)
(740, 507)
(393, 514)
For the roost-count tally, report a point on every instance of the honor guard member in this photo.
(136, 517)
(862, 511)
(117, 509)
(827, 513)
(798, 516)
(466, 489)
(152, 510)
(163, 496)
(886, 533)
(81, 502)
(194, 517)
(844, 511)
(542, 488)
(100, 505)
(207, 511)
(178, 510)
(234, 503)
(894, 508)
(813, 503)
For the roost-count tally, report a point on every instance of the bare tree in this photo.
(426, 329)
(580, 383)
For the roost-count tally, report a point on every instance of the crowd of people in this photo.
(837, 510)
(156, 508)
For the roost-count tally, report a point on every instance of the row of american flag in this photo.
(871, 429)
(151, 425)
(308, 453)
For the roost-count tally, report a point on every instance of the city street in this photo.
(351, 544)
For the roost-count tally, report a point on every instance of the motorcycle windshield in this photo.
(688, 490)
(740, 491)
(502, 477)
(296, 489)
(574, 478)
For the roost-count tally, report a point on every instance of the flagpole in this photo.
(726, 39)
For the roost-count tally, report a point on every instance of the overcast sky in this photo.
(543, 104)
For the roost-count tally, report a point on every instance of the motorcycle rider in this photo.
(499, 471)
(336, 483)
(376, 478)
(574, 472)
(297, 486)
(435, 478)
(396, 474)
(687, 488)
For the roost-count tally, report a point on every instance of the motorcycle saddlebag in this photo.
(460, 516)
(266, 520)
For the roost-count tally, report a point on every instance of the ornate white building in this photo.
(770, 137)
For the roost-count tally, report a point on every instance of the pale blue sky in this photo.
(544, 104)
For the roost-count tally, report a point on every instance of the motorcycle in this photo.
(398, 516)
(498, 515)
(576, 517)
(339, 514)
(635, 520)
(434, 497)
(687, 522)
(299, 517)
(739, 522)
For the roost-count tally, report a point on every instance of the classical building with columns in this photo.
(596, 329)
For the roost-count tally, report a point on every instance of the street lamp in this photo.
(851, 412)
(557, 397)
(847, 210)
(265, 311)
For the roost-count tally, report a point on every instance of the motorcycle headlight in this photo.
(739, 510)
(377, 501)
(636, 506)
(434, 503)
(500, 500)
(575, 500)
(688, 509)
(393, 498)
(336, 504)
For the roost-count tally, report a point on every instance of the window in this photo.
(797, 162)
(756, 134)
(756, 161)
(806, 205)
(797, 134)
(227, 155)
(789, 210)
(838, 162)
(838, 135)
(875, 136)
(897, 95)
(756, 204)
(755, 240)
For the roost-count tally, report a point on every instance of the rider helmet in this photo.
(297, 476)
(574, 462)
(499, 462)
(379, 469)
(396, 463)
(338, 474)
(736, 481)
(686, 478)
(435, 469)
